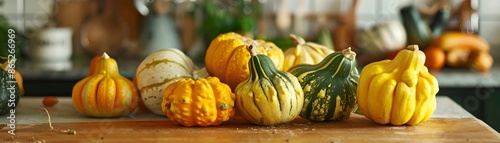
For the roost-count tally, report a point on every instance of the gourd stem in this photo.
(349, 54)
(252, 48)
(106, 64)
(5, 64)
(105, 55)
(409, 60)
(412, 47)
(298, 40)
(3, 59)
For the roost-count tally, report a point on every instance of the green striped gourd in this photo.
(329, 86)
(269, 96)
(9, 89)
(160, 69)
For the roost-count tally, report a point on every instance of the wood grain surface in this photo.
(356, 129)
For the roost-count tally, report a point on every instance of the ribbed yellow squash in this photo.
(105, 93)
(399, 91)
(304, 53)
(227, 57)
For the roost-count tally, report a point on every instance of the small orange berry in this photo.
(50, 101)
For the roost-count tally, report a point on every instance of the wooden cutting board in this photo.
(356, 129)
(449, 123)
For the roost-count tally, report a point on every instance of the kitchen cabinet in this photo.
(476, 93)
(482, 106)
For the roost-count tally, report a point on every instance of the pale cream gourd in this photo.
(383, 38)
(160, 69)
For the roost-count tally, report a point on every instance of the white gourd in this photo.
(383, 38)
(160, 69)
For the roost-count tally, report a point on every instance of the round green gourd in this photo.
(269, 96)
(329, 87)
(9, 89)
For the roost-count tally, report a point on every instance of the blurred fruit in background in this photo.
(481, 61)
(457, 57)
(464, 50)
(435, 58)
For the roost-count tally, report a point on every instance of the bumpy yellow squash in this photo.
(399, 91)
(105, 93)
(227, 57)
(198, 102)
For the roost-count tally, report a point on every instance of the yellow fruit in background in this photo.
(481, 61)
(453, 39)
(465, 50)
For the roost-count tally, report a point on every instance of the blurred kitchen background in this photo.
(57, 38)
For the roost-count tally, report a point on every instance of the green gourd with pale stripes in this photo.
(329, 87)
(9, 89)
(269, 96)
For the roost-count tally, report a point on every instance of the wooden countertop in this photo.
(450, 123)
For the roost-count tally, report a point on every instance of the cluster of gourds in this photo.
(264, 84)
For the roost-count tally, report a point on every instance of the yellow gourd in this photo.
(105, 93)
(304, 53)
(399, 91)
(227, 57)
(198, 102)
